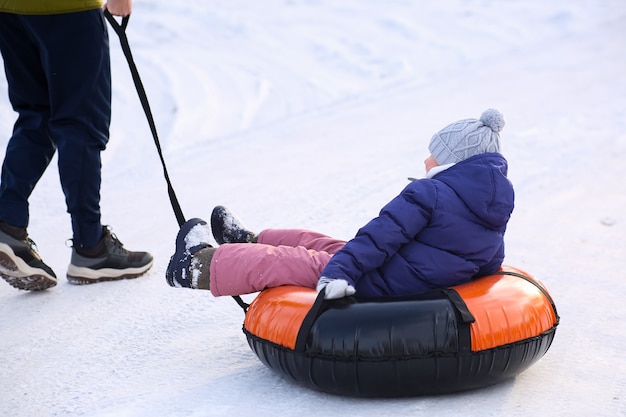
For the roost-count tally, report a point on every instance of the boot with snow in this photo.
(189, 266)
(227, 228)
(20, 264)
(107, 261)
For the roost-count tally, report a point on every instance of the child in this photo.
(440, 231)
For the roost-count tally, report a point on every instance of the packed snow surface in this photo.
(312, 113)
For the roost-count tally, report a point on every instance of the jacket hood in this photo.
(481, 182)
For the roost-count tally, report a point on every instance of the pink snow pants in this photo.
(281, 257)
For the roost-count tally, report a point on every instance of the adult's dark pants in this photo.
(59, 78)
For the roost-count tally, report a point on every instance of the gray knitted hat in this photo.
(468, 137)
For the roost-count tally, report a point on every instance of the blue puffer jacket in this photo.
(437, 233)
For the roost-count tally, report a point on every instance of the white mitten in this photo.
(335, 288)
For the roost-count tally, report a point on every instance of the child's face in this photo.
(430, 163)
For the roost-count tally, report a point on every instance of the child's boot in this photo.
(228, 228)
(189, 265)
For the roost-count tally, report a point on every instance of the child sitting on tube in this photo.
(440, 231)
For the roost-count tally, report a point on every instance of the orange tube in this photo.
(277, 314)
(507, 309)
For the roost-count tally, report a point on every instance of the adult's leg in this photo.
(30, 148)
(75, 51)
(300, 237)
(243, 268)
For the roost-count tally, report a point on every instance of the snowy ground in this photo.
(312, 113)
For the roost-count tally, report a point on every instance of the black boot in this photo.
(227, 228)
(189, 266)
(107, 261)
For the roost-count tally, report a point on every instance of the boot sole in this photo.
(81, 276)
(20, 275)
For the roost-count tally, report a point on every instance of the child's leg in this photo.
(300, 237)
(244, 268)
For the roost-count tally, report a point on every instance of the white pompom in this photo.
(493, 118)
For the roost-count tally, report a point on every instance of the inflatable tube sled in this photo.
(469, 336)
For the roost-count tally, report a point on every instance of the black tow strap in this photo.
(120, 29)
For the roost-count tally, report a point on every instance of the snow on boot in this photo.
(227, 228)
(183, 269)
